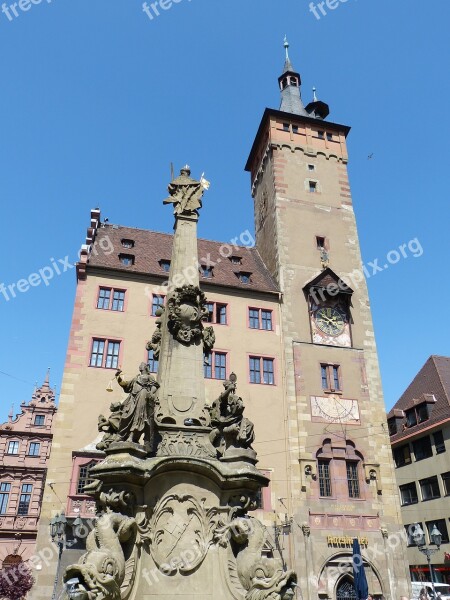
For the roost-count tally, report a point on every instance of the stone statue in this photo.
(209, 339)
(262, 577)
(155, 343)
(101, 572)
(185, 194)
(231, 429)
(324, 258)
(110, 426)
(137, 417)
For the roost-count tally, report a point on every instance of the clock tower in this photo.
(341, 475)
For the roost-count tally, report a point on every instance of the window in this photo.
(324, 478)
(311, 167)
(206, 272)
(217, 313)
(439, 443)
(285, 126)
(25, 499)
(262, 366)
(39, 420)
(98, 357)
(215, 365)
(429, 488)
(104, 299)
(392, 426)
(84, 477)
(422, 448)
(236, 260)
(152, 362)
(402, 455)
(330, 137)
(441, 525)
(34, 449)
(294, 82)
(446, 483)
(127, 243)
(126, 259)
(352, 479)
(321, 135)
(245, 277)
(157, 302)
(320, 242)
(13, 448)
(312, 187)
(104, 296)
(330, 375)
(422, 413)
(411, 417)
(295, 127)
(260, 318)
(165, 265)
(408, 493)
(5, 488)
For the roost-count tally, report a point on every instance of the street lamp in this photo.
(435, 538)
(58, 533)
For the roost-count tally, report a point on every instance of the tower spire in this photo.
(287, 65)
(290, 82)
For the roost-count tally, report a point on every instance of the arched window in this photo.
(345, 589)
(339, 471)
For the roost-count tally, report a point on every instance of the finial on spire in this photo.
(286, 46)
(314, 94)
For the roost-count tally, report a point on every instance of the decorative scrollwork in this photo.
(186, 310)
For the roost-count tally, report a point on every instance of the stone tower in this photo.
(179, 478)
(341, 474)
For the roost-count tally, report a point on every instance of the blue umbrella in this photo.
(359, 575)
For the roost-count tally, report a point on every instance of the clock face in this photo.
(330, 321)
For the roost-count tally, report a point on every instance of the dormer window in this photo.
(236, 260)
(126, 259)
(244, 277)
(127, 243)
(165, 265)
(206, 272)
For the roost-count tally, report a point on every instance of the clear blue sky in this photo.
(97, 99)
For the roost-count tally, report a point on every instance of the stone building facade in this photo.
(419, 424)
(25, 444)
(293, 322)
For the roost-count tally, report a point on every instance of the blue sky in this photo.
(97, 99)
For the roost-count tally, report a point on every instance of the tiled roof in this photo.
(150, 247)
(433, 378)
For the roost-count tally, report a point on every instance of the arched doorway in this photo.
(345, 590)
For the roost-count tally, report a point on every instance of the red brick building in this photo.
(25, 444)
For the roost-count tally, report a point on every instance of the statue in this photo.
(110, 426)
(137, 417)
(232, 431)
(102, 569)
(185, 194)
(155, 343)
(324, 258)
(209, 339)
(186, 311)
(262, 577)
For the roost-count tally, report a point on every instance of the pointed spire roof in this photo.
(290, 82)
(45, 393)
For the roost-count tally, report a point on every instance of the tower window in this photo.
(285, 126)
(264, 366)
(312, 187)
(311, 167)
(352, 479)
(321, 135)
(324, 478)
(284, 83)
(331, 379)
(330, 137)
(320, 241)
(294, 128)
(294, 81)
(99, 359)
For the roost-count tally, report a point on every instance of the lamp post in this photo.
(419, 540)
(284, 529)
(58, 533)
